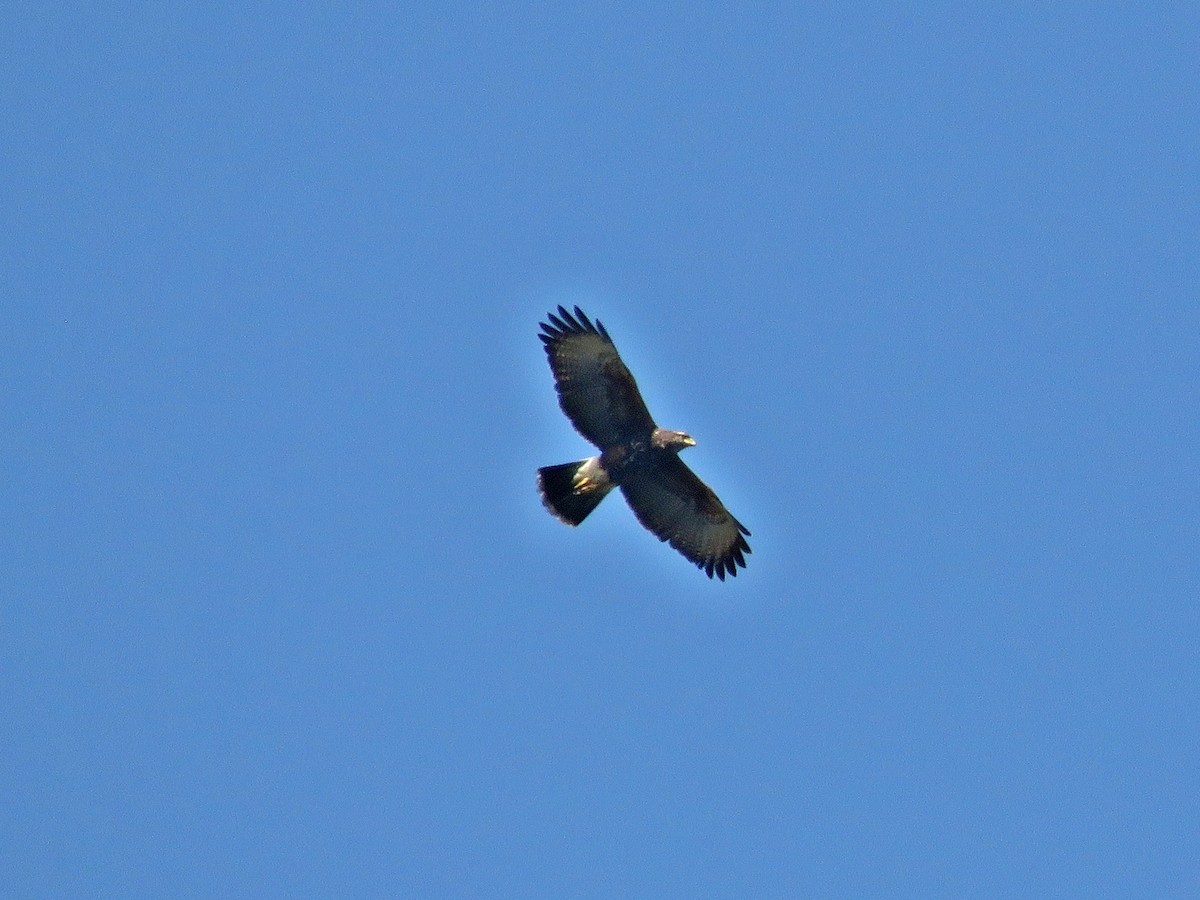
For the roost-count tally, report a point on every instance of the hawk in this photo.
(600, 397)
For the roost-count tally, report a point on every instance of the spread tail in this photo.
(572, 490)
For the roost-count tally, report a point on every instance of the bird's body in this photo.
(601, 398)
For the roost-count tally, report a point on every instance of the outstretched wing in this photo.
(670, 500)
(595, 389)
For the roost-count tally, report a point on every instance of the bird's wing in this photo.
(670, 500)
(595, 389)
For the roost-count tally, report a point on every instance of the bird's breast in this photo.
(621, 459)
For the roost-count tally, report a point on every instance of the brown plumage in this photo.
(600, 397)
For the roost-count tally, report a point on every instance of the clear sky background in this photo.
(281, 614)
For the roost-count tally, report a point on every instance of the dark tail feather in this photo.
(556, 484)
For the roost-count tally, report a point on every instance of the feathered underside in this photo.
(595, 389)
(677, 507)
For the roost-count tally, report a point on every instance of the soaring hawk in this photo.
(601, 399)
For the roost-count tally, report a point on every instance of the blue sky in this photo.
(282, 615)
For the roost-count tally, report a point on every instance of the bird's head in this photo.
(665, 439)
